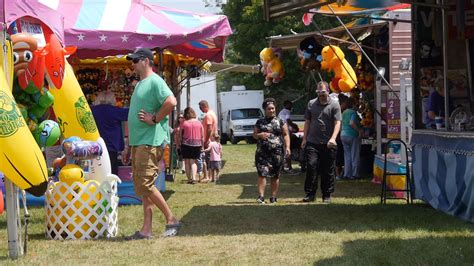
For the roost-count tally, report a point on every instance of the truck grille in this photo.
(247, 127)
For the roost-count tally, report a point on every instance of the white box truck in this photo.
(238, 110)
(202, 88)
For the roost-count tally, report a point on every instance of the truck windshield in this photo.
(246, 113)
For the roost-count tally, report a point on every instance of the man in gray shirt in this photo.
(322, 124)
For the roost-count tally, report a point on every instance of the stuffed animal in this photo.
(272, 67)
(334, 60)
(310, 54)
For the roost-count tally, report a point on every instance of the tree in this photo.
(250, 37)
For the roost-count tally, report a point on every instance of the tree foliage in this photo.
(250, 37)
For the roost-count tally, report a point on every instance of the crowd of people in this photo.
(330, 139)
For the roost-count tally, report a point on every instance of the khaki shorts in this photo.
(145, 170)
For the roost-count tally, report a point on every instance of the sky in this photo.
(196, 6)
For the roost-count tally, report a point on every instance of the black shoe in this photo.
(273, 200)
(308, 198)
(260, 200)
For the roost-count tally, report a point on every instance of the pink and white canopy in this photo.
(108, 27)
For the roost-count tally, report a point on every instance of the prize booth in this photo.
(443, 96)
(83, 203)
(379, 106)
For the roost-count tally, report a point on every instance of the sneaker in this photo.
(273, 200)
(327, 200)
(172, 230)
(261, 200)
(308, 198)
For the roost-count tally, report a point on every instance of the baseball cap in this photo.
(141, 53)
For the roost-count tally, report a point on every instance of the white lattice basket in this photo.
(82, 210)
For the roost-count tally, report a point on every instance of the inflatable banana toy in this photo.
(7, 59)
(21, 159)
(73, 113)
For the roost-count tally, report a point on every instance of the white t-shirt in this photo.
(284, 114)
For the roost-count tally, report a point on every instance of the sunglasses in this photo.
(322, 92)
(136, 60)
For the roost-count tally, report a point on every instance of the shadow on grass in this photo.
(417, 251)
(274, 219)
(292, 186)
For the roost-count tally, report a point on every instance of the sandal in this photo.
(137, 236)
(172, 229)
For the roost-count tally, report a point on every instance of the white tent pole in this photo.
(15, 249)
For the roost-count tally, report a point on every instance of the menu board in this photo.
(393, 116)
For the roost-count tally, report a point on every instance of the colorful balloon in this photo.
(47, 133)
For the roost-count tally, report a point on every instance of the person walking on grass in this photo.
(209, 123)
(150, 104)
(273, 144)
(322, 124)
(191, 143)
(215, 150)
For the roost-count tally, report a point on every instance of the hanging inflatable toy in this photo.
(55, 61)
(26, 169)
(47, 133)
(310, 54)
(28, 60)
(272, 67)
(334, 60)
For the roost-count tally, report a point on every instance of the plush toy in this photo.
(272, 67)
(310, 54)
(344, 76)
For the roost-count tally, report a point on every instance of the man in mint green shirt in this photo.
(150, 105)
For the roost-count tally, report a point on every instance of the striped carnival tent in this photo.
(110, 27)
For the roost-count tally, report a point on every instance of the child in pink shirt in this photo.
(215, 150)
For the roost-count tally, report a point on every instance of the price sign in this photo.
(393, 116)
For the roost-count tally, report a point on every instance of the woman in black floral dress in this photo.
(273, 142)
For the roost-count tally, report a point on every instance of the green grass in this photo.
(224, 225)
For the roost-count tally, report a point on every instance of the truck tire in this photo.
(233, 139)
(223, 139)
(251, 141)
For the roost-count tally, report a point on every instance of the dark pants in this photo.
(114, 162)
(320, 161)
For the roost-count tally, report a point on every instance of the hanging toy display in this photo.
(272, 67)
(344, 76)
(310, 54)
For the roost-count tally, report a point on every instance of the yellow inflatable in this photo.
(334, 60)
(272, 68)
(73, 113)
(21, 159)
(71, 173)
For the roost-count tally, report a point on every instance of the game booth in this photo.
(435, 100)
(379, 105)
(443, 96)
(41, 40)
